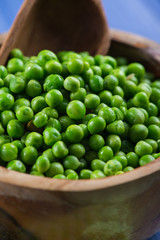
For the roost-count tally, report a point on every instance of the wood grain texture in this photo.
(123, 207)
(58, 25)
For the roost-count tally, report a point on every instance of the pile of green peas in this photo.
(75, 116)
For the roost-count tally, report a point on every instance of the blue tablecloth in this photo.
(137, 16)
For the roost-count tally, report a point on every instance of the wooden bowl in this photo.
(124, 207)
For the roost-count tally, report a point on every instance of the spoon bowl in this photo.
(58, 25)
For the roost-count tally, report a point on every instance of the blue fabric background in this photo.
(137, 16)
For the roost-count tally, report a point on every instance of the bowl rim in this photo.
(17, 179)
(24, 180)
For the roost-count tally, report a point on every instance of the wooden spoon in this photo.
(58, 25)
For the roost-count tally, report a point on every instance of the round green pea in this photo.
(29, 155)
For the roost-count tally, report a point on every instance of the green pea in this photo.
(53, 66)
(88, 117)
(87, 74)
(105, 153)
(105, 97)
(74, 133)
(85, 174)
(143, 148)
(154, 132)
(49, 154)
(53, 123)
(8, 152)
(73, 176)
(42, 164)
(116, 127)
(97, 70)
(6, 101)
(155, 95)
(50, 112)
(118, 91)
(59, 176)
(96, 142)
(24, 114)
(116, 101)
(97, 174)
(135, 116)
(111, 167)
(34, 139)
(77, 150)
(119, 113)
(152, 109)
(144, 87)
(33, 88)
(16, 53)
(55, 169)
(38, 103)
(71, 162)
(110, 60)
(137, 69)
(71, 84)
(114, 142)
(108, 114)
(100, 106)
(34, 71)
(40, 119)
(146, 159)
(6, 116)
(75, 66)
(122, 159)
(20, 103)
(16, 165)
(110, 82)
(120, 75)
(53, 98)
(128, 169)
(153, 143)
(120, 153)
(4, 139)
(15, 128)
(19, 144)
(130, 89)
(76, 110)
(153, 121)
(97, 164)
(106, 69)
(53, 81)
(96, 83)
(91, 101)
(44, 56)
(17, 85)
(96, 125)
(138, 132)
(15, 65)
(141, 100)
(80, 95)
(60, 149)
(133, 159)
(51, 136)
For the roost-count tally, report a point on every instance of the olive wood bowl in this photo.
(123, 207)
